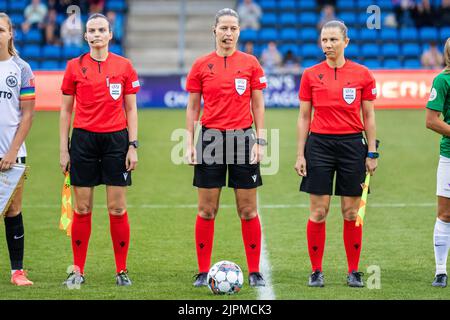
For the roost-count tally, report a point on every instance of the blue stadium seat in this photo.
(307, 5)
(60, 17)
(18, 6)
(268, 34)
(33, 36)
(444, 34)
(268, 5)
(370, 50)
(32, 51)
(3, 5)
(69, 52)
(345, 5)
(309, 34)
(116, 5)
(287, 5)
(308, 19)
(115, 48)
(392, 64)
(352, 51)
(412, 64)
(248, 35)
(385, 5)
(289, 34)
(368, 35)
(409, 34)
(18, 35)
(286, 47)
(269, 19)
(363, 4)
(390, 50)
(311, 51)
(288, 19)
(428, 34)
(349, 18)
(389, 35)
(353, 34)
(411, 50)
(50, 65)
(51, 52)
(309, 63)
(34, 65)
(17, 19)
(372, 63)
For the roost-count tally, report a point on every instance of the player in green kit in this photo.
(439, 102)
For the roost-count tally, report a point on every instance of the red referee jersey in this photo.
(226, 84)
(336, 95)
(99, 88)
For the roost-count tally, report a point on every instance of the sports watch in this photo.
(134, 143)
(373, 155)
(261, 141)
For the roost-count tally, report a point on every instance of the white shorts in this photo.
(443, 177)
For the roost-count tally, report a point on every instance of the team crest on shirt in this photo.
(349, 95)
(11, 81)
(241, 85)
(115, 90)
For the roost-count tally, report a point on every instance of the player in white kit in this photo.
(17, 99)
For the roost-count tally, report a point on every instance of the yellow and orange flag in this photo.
(65, 223)
(362, 204)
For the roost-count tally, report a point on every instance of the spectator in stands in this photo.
(116, 26)
(444, 14)
(249, 13)
(96, 6)
(52, 28)
(326, 14)
(402, 11)
(291, 63)
(271, 58)
(72, 31)
(423, 14)
(249, 48)
(34, 14)
(432, 58)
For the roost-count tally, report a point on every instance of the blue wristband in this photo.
(373, 155)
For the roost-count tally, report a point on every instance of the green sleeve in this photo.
(438, 94)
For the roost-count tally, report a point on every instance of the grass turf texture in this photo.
(162, 252)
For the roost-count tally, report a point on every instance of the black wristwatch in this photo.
(373, 155)
(134, 143)
(261, 141)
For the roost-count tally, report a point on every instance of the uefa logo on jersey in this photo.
(11, 81)
(241, 85)
(349, 95)
(115, 90)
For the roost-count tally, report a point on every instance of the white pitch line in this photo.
(233, 206)
(267, 292)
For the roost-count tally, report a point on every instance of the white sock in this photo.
(441, 245)
(12, 271)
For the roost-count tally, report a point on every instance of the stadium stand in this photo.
(41, 55)
(154, 36)
(293, 24)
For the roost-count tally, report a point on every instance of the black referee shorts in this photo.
(99, 158)
(326, 154)
(222, 151)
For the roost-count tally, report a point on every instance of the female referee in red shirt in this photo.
(231, 84)
(104, 141)
(338, 90)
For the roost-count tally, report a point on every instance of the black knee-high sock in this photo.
(15, 239)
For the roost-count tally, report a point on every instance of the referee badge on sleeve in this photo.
(115, 90)
(349, 95)
(241, 85)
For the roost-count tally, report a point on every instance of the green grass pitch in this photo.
(397, 231)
